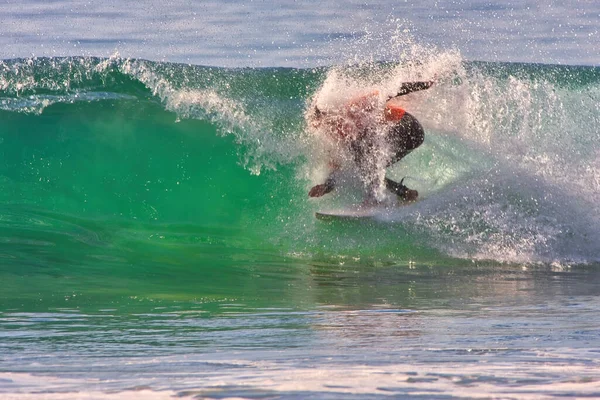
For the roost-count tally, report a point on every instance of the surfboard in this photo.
(348, 214)
(360, 213)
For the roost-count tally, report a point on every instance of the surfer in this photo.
(357, 128)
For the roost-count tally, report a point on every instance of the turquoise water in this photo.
(156, 235)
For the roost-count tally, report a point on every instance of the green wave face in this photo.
(130, 180)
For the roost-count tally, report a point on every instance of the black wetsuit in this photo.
(401, 138)
(407, 134)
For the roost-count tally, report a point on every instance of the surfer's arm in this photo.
(409, 87)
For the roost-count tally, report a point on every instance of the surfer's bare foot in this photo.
(318, 190)
(409, 195)
(323, 188)
(405, 194)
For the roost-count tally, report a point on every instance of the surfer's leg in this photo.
(365, 153)
(404, 137)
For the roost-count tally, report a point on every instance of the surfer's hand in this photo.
(320, 190)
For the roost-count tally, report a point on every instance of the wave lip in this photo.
(508, 172)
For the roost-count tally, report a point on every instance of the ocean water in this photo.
(238, 33)
(157, 240)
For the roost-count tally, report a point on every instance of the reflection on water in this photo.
(461, 286)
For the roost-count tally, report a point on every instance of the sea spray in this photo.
(508, 171)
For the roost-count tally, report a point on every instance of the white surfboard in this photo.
(359, 213)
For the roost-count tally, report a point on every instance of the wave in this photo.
(509, 171)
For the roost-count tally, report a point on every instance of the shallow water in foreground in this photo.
(353, 330)
(357, 331)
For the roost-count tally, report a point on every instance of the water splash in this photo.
(509, 170)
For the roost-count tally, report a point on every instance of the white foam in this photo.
(510, 162)
(475, 379)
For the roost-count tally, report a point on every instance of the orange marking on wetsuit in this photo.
(394, 112)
